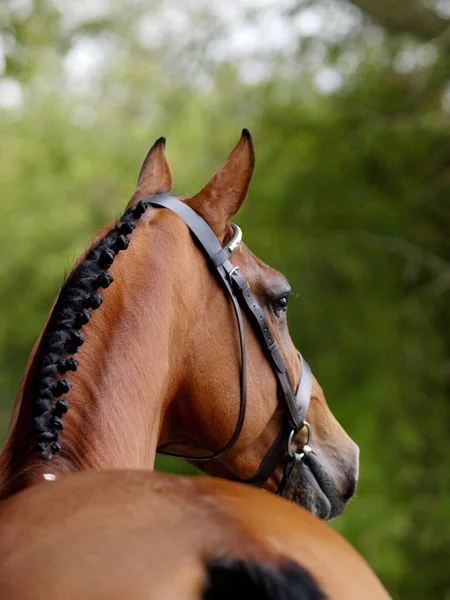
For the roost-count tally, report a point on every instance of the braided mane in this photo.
(77, 300)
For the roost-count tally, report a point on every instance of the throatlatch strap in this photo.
(210, 245)
(271, 460)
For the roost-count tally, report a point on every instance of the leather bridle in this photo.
(295, 404)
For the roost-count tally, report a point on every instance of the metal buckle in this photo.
(232, 246)
(306, 448)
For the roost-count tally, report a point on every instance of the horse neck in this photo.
(125, 378)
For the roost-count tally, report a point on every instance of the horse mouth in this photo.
(310, 486)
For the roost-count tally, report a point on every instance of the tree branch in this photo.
(411, 17)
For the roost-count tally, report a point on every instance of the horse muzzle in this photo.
(307, 482)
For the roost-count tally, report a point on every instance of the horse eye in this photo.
(280, 305)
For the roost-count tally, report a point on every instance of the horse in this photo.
(167, 361)
(142, 535)
(160, 369)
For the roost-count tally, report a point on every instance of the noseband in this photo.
(295, 404)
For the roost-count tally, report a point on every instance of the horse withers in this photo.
(170, 335)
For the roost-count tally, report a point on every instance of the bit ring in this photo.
(306, 447)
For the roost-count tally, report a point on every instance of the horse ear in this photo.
(155, 175)
(224, 194)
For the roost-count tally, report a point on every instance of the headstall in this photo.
(295, 404)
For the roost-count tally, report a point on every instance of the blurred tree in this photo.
(414, 17)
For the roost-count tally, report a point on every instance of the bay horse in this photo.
(168, 362)
(159, 369)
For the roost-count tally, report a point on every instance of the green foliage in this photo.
(349, 200)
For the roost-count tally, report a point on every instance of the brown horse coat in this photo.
(141, 535)
(152, 374)
(159, 362)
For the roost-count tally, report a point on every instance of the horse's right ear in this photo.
(155, 175)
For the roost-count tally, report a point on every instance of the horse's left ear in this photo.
(224, 194)
(155, 175)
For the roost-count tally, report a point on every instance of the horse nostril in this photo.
(352, 474)
(351, 489)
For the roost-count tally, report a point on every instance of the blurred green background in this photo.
(349, 107)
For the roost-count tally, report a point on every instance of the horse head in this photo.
(170, 335)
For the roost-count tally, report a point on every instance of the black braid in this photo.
(78, 297)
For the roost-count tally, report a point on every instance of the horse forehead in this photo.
(262, 277)
(175, 233)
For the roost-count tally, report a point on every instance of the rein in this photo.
(295, 404)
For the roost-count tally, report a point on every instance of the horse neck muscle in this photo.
(124, 381)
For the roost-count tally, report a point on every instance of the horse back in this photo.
(137, 534)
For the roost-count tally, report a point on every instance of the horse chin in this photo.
(311, 487)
